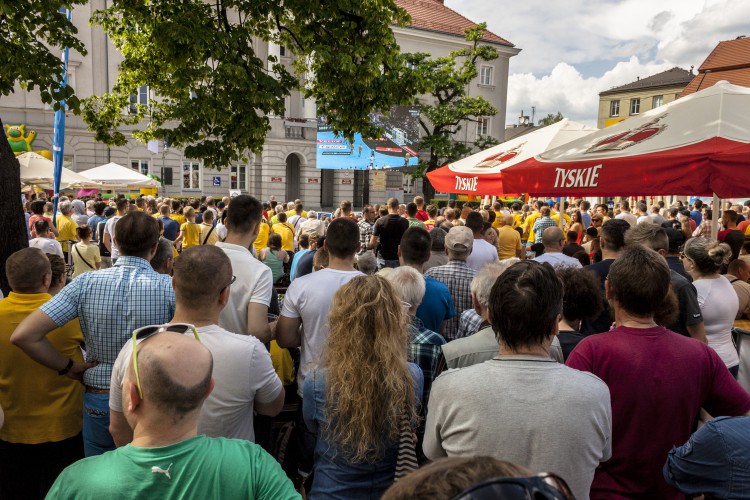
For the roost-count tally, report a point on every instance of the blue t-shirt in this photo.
(437, 304)
(696, 216)
(295, 261)
(94, 221)
(171, 228)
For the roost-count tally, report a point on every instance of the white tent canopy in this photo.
(114, 176)
(36, 170)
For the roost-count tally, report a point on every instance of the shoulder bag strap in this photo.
(81, 256)
(208, 235)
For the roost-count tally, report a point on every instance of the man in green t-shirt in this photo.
(167, 459)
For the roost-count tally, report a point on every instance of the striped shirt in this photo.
(110, 304)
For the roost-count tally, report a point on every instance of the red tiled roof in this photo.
(432, 15)
(730, 61)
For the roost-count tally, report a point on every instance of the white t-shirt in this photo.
(719, 304)
(253, 284)
(47, 245)
(628, 217)
(109, 228)
(646, 219)
(309, 298)
(481, 253)
(243, 373)
(558, 260)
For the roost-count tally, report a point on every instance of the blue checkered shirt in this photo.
(470, 323)
(425, 351)
(457, 276)
(540, 225)
(110, 304)
(365, 231)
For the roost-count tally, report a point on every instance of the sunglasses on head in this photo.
(546, 486)
(146, 332)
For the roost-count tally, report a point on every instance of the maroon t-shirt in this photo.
(658, 381)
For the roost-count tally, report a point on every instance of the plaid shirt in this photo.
(469, 324)
(457, 276)
(365, 231)
(540, 225)
(425, 352)
(110, 304)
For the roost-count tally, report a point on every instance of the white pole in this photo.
(716, 216)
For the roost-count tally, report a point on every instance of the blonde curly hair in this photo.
(368, 383)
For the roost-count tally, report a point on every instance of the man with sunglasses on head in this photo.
(110, 304)
(244, 375)
(165, 386)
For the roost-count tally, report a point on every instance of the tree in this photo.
(550, 119)
(34, 33)
(214, 89)
(445, 106)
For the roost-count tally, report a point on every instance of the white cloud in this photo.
(572, 50)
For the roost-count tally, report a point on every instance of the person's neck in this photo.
(393, 212)
(339, 264)
(565, 325)
(241, 239)
(540, 350)
(195, 317)
(418, 267)
(161, 431)
(623, 318)
(609, 255)
(552, 250)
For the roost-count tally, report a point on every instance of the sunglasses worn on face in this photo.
(545, 486)
(147, 331)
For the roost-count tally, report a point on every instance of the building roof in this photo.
(730, 61)
(671, 77)
(433, 15)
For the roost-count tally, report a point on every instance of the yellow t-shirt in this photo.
(496, 222)
(179, 218)
(287, 234)
(192, 233)
(508, 243)
(294, 212)
(40, 406)
(530, 225)
(517, 220)
(88, 252)
(66, 228)
(261, 241)
(213, 237)
(556, 218)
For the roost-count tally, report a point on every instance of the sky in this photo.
(574, 49)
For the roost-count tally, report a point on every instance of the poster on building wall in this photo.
(397, 147)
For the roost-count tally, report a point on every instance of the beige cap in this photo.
(459, 239)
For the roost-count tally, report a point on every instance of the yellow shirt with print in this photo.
(556, 218)
(529, 225)
(261, 241)
(40, 406)
(287, 234)
(66, 228)
(517, 220)
(192, 234)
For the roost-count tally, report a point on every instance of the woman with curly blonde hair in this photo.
(356, 400)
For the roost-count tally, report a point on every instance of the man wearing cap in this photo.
(456, 274)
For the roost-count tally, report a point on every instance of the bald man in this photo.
(553, 240)
(167, 458)
(246, 380)
(509, 240)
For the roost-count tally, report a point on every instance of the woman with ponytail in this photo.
(703, 258)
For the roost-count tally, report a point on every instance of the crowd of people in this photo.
(240, 348)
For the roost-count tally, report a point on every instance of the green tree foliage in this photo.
(550, 119)
(33, 34)
(204, 62)
(445, 106)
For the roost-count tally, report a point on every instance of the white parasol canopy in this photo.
(114, 176)
(36, 170)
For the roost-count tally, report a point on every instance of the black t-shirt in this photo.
(572, 248)
(390, 229)
(305, 264)
(687, 297)
(675, 264)
(569, 339)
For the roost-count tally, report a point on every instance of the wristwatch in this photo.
(67, 368)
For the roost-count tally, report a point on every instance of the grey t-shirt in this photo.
(528, 410)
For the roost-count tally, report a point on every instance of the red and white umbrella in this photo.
(697, 145)
(481, 173)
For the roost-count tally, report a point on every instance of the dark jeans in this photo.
(301, 450)
(27, 471)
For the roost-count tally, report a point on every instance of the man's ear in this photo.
(135, 398)
(47, 280)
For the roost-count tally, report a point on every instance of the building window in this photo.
(483, 126)
(140, 166)
(485, 75)
(635, 106)
(282, 51)
(191, 174)
(238, 177)
(140, 97)
(614, 108)
(657, 101)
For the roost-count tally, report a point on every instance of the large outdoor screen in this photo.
(398, 146)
